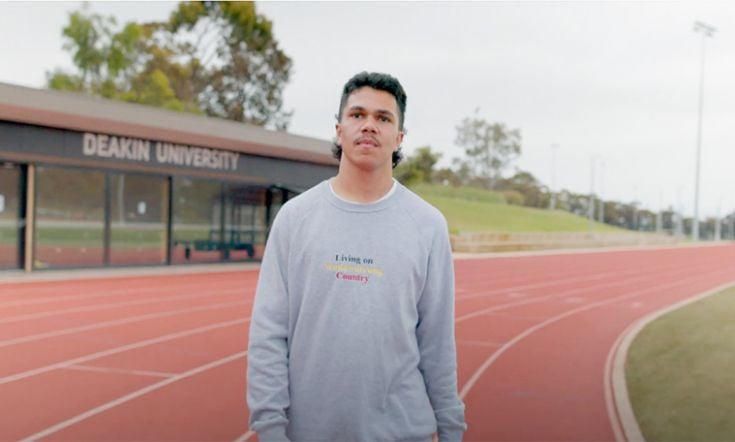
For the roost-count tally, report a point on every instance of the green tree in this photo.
(417, 168)
(209, 57)
(246, 70)
(447, 176)
(489, 148)
(534, 192)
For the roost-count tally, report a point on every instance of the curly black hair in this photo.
(381, 82)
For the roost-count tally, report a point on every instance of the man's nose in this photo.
(368, 125)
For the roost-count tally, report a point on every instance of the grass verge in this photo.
(477, 216)
(680, 375)
(468, 209)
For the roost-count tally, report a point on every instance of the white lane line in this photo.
(479, 343)
(508, 345)
(122, 321)
(519, 288)
(136, 394)
(485, 311)
(121, 349)
(106, 292)
(619, 406)
(574, 300)
(97, 307)
(549, 280)
(158, 374)
(245, 436)
(607, 380)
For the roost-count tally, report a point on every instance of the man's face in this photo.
(368, 129)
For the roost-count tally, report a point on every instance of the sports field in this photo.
(163, 357)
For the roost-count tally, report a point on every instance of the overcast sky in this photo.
(618, 81)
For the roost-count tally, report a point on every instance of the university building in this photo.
(91, 182)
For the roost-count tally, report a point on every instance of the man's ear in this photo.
(399, 139)
(338, 133)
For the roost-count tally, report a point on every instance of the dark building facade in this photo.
(88, 182)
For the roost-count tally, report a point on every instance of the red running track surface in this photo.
(163, 357)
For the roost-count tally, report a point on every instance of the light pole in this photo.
(552, 200)
(707, 31)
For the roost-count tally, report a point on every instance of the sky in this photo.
(612, 84)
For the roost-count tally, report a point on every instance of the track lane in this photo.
(473, 347)
(555, 373)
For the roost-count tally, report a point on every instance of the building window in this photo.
(138, 216)
(70, 218)
(218, 221)
(197, 206)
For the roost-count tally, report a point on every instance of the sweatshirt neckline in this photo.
(359, 207)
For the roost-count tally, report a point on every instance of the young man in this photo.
(352, 334)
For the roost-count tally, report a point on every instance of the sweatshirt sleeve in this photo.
(435, 335)
(268, 391)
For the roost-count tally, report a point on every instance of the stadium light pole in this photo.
(707, 31)
(552, 200)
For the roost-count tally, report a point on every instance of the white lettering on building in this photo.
(121, 148)
(134, 149)
(182, 155)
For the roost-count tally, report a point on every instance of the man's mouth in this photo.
(366, 141)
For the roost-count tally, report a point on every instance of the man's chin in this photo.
(367, 163)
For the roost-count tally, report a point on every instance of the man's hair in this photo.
(381, 82)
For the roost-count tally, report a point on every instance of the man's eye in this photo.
(385, 119)
(356, 115)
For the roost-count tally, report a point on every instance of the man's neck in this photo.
(361, 186)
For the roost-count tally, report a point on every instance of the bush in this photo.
(514, 197)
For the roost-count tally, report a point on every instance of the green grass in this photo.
(467, 210)
(90, 237)
(463, 193)
(680, 374)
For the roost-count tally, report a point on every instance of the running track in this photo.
(164, 357)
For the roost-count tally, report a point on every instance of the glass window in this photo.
(138, 217)
(9, 216)
(197, 215)
(69, 217)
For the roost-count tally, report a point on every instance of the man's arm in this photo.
(267, 395)
(435, 334)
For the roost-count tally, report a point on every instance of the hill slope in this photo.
(473, 210)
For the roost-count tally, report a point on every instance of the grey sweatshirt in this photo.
(352, 333)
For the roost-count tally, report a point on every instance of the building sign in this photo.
(157, 153)
(49, 145)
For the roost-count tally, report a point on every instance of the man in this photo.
(352, 334)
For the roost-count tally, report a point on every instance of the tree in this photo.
(534, 193)
(489, 148)
(247, 70)
(447, 176)
(417, 168)
(210, 57)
